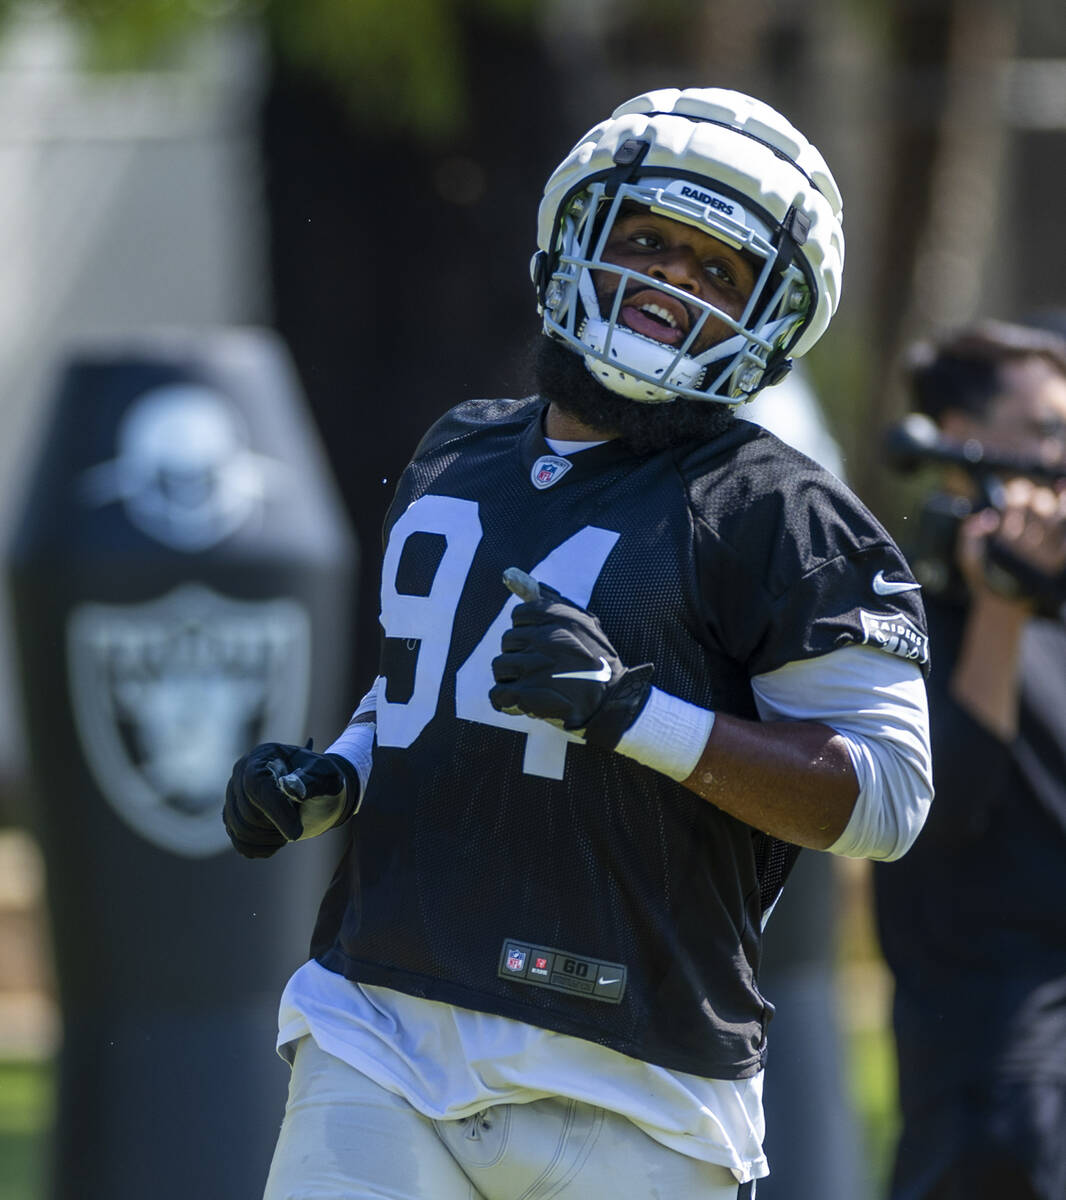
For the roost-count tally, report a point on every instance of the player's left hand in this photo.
(559, 665)
(279, 793)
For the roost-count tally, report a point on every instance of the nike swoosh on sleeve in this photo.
(887, 587)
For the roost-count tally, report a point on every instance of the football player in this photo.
(635, 653)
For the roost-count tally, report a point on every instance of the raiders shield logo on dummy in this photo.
(166, 694)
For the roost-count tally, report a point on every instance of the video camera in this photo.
(916, 442)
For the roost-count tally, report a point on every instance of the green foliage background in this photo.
(404, 64)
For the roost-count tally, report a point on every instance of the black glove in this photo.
(278, 794)
(559, 665)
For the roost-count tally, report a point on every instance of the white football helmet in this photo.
(732, 167)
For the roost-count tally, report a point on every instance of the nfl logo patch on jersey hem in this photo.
(549, 469)
(560, 971)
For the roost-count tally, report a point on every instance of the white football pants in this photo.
(346, 1138)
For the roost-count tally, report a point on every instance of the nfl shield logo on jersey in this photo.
(167, 694)
(516, 959)
(549, 469)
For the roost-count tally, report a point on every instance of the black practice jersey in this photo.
(499, 864)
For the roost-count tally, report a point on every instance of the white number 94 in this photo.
(572, 568)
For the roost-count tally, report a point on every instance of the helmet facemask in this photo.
(641, 368)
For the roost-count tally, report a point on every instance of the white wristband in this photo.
(669, 735)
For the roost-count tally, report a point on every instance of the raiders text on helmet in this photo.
(733, 168)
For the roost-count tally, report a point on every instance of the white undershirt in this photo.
(450, 1062)
(558, 446)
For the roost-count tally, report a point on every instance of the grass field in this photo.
(26, 1096)
(873, 1084)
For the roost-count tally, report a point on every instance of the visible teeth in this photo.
(655, 311)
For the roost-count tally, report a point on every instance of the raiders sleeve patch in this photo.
(896, 633)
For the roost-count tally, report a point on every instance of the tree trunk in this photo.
(400, 269)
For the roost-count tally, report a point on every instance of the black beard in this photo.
(562, 377)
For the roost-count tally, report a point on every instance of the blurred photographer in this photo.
(973, 921)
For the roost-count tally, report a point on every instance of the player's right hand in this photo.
(278, 794)
(557, 664)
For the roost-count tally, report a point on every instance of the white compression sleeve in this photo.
(356, 743)
(877, 703)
